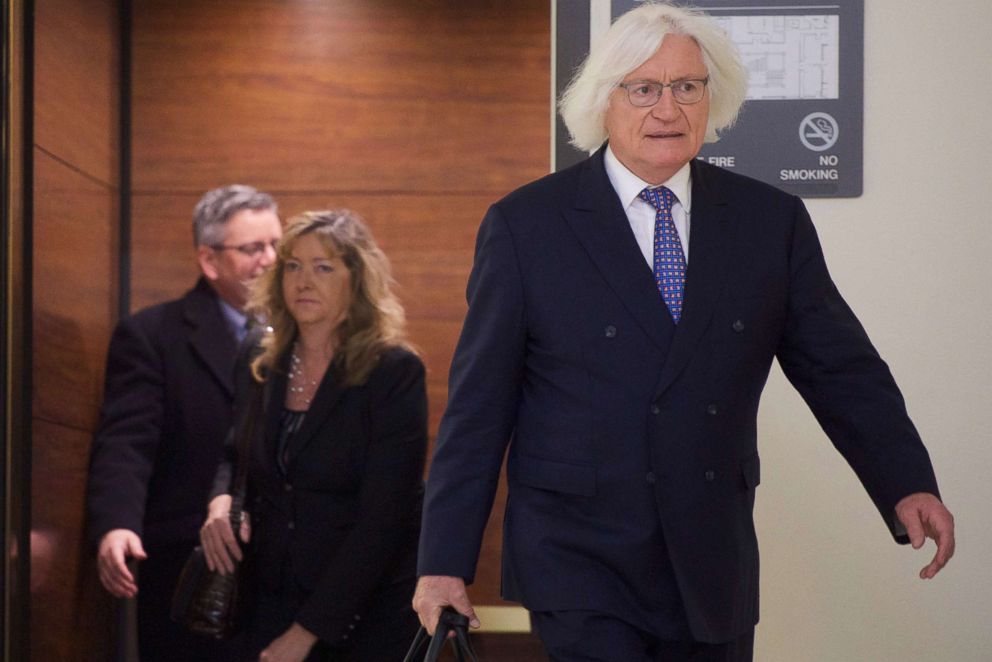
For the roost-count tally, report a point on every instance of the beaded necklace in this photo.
(298, 382)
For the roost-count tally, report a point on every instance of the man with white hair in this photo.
(623, 317)
(166, 411)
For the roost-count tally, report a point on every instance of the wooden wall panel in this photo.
(76, 79)
(163, 260)
(75, 294)
(74, 284)
(70, 612)
(347, 95)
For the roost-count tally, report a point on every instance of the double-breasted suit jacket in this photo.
(634, 445)
(338, 527)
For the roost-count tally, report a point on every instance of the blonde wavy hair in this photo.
(375, 319)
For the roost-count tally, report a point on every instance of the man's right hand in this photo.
(111, 561)
(434, 592)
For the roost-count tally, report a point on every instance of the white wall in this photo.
(913, 257)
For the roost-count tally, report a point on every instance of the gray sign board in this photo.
(801, 126)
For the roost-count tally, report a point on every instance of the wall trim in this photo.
(15, 324)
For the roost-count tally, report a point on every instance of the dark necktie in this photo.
(669, 261)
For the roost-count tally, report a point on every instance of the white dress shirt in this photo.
(641, 214)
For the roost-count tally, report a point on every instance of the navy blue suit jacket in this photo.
(624, 424)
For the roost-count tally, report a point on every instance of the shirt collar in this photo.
(236, 320)
(629, 186)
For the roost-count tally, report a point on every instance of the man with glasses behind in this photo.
(166, 410)
(623, 316)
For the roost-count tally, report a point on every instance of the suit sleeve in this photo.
(390, 488)
(483, 397)
(826, 354)
(129, 432)
(224, 478)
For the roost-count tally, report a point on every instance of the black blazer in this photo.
(166, 411)
(622, 421)
(343, 523)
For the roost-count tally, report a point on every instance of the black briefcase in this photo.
(450, 621)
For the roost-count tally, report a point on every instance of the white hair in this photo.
(630, 42)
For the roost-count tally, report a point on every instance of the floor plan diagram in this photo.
(788, 57)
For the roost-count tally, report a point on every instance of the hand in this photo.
(220, 547)
(293, 645)
(924, 516)
(434, 592)
(111, 561)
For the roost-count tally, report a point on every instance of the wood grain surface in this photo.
(75, 293)
(74, 290)
(71, 614)
(341, 96)
(77, 72)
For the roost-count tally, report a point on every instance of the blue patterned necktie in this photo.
(669, 261)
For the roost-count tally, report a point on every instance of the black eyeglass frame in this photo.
(251, 249)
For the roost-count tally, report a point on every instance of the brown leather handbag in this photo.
(207, 602)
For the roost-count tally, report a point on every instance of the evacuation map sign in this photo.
(801, 126)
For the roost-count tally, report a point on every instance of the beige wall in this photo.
(912, 256)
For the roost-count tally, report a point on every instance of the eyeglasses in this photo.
(647, 93)
(254, 249)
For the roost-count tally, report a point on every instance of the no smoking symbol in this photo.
(818, 131)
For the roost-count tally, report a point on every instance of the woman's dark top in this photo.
(289, 424)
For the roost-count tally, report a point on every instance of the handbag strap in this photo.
(245, 433)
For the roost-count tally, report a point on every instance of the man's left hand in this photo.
(924, 516)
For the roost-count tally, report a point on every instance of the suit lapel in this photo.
(328, 394)
(274, 402)
(209, 336)
(710, 240)
(601, 226)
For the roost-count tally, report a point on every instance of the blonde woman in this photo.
(334, 482)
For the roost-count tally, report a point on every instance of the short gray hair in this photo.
(216, 207)
(629, 43)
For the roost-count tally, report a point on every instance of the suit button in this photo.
(650, 478)
(710, 475)
(738, 326)
(291, 525)
(351, 626)
(711, 409)
(287, 487)
(357, 617)
(611, 331)
(655, 409)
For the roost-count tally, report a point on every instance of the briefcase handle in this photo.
(449, 621)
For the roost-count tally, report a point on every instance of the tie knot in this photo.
(659, 197)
